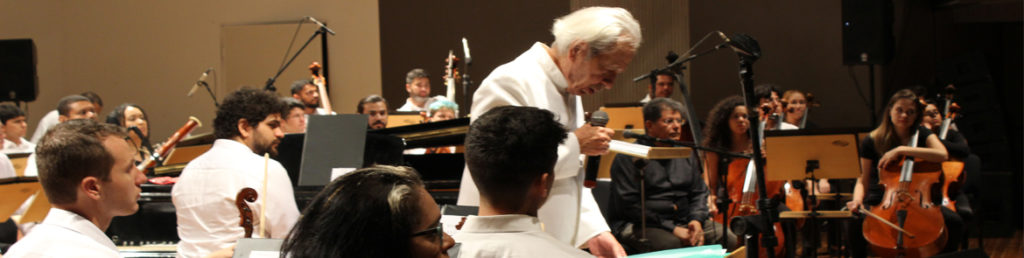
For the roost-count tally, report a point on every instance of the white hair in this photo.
(602, 28)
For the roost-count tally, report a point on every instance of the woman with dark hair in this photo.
(886, 146)
(381, 211)
(727, 129)
(130, 115)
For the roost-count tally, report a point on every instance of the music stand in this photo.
(809, 155)
(15, 191)
(333, 146)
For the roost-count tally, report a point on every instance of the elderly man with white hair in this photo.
(592, 46)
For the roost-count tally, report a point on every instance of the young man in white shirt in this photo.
(15, 127)
(247, 126)
(88, 172)
(417, 84)
(68, 108)
(53, 117)
(511, 154)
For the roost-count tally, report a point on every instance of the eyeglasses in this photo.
(439, 231)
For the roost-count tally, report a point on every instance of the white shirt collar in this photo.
(502, 223)
(540, 52)
(74, 222)
(231, 145)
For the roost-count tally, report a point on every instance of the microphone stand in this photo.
(769, 214)
(467, 84)
(319, 32)
(207, 86)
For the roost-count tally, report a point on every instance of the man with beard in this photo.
(307, 92)
(376, 109)
(247, 127)
(417, 84)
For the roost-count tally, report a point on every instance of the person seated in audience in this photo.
(662, 86)
(380, 211)
(676, 206)
(53, 117)
(511, 153)
(247, 126)
(15, 128)
(130, 116)
(294, 119)
(376, 107)
(88, 173)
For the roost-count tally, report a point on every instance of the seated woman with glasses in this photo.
(380, 211)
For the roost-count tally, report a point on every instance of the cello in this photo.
(741, 186)
(952, 169)
(906, 223)
(321, 85)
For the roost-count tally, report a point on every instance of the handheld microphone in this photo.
(200, 81)
(599, 119)
(318, 23)
(465, 50)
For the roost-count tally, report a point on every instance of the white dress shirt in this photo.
(411, 107)
(647, 98)
(204, 198)
(64, 234)
(510, 236)
(48, 121)
(24, 147)
(571, 214)
(6, 167)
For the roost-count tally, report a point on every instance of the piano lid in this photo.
(435, 134)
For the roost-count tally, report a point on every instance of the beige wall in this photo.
(665, 27)
(150, 52)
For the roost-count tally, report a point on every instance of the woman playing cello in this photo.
(886, 146)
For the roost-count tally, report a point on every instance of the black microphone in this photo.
(631, 134)
(318, 23)
(599, 119)
(465, 50)
(201, 80)
(742, 44)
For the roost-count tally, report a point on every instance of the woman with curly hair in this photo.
(727, 129)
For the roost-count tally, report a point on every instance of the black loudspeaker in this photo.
(18, 70)
(867, 32)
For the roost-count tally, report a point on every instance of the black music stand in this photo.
(809, 155)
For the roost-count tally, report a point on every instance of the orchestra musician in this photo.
(511, 191)
(15, 127)
(376, 108)
(768, 94)
(307, 92)
(885, 146)
(677, 210)
(247, 127)
(592, 46)
(417, 84)
(293, 120)
(661, 86)
(88, 172)
(130, 115)
(380, 211)
(796, 108)
(53, 117)
(958, 149)
(68, 108)
(728, 129)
